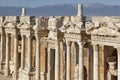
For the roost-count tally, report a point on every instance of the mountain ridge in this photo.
(95, 9)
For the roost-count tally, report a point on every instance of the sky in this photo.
(38, 3)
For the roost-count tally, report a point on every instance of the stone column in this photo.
(48, 64)
(6, 72)
(109, 76)
(57, 61)
(68, 60)
(2, 51)
(88, 53)
(37, 58)
(23, 12)
(15, 74)
(81, 61)
(95, 63)
(22, 51)
(29, 55)
(80, 11)
(118, 51)
(42, 77)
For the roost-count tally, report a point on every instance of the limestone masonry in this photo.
(60, 47)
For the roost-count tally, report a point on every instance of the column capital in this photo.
(29, 36)
(68, 43)
(80, 43)
(37, 36)
(7, 35)
(95, 47)
(94, 44)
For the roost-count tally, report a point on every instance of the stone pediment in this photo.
(24, 25)
(103, 28)
(9, 25)
(70, 27)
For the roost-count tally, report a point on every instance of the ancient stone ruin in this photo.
(60, 47)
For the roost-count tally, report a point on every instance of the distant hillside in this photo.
(65, 9)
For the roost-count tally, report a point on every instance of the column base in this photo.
(43, 76)
(6, 72)
(26, 75)
(2, 65)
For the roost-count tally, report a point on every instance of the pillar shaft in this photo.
(15, 58)
(23, 12)
(37, 58)
(29, 54)
(81, 61)
(48, 67)
(22, 51)
(118, 50)
(57, 62)
(96, 63)
(80, 11)
(68, 61)
(1, 56)
(6, 73)
(2, 51)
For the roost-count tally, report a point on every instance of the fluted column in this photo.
(37, 58)
(6, 73)
(118, 51)
(22, 51)
(57, 61)
(29, 55)
(48, 64)
(15, 75)
(81, 61)
(68, 60)
(96, 63)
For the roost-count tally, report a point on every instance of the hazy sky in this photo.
(36, 3)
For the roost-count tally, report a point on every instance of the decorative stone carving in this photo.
(25, 25)
(9, 25)
(52, 23)
(10, 22)
(52, 26)
(105, 31)
(41, 23)
(72, 28)
(103, 26)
